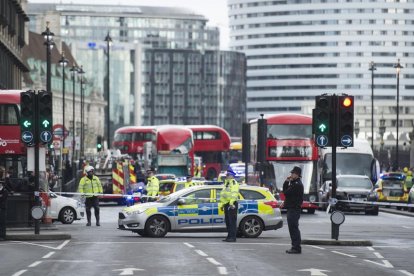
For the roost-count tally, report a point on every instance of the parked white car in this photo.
(65, 209)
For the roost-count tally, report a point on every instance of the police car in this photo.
(196, 209)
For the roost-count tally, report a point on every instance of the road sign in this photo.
(346, 140)
(322, 140)
(27, 137)
(45, 136)
(58, 131)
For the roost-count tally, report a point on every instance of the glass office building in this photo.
(133, 29)
(297, 49)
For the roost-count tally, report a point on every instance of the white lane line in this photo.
(35, 264)
(405, 272)
(222, 270)
(340, 253)
(371, 248)
(406, 227)
(213, 261)
(317, 247)
(189, 245)
(379, 256)
(35, 244)
(384, 263)
(48, 255)
(18, 273)
(201, 253)
(63, 244)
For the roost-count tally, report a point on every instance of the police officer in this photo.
(189, 181)
(4, 192)
(293, 190)
(228, 200)
(91, 186)
(153, 186)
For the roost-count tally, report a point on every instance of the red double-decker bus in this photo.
(289, 143)
(173, 150)
(131, 139)
(211, 143)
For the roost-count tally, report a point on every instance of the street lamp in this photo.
(48, 36)
(82, 137)
(372, 68)
(63, 62)
(381, 133)
(108, 40)
(398, 66)
(73, 70)
(356, 128)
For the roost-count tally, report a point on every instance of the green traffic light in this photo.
(99, 146)
(27, 123)
(322, 127)
(45, 123)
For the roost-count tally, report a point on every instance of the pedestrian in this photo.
(189, 181)
(91, 186)
(293, 190)
(4, 192)
(228, 203)
(153, 186)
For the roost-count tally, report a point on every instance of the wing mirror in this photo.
(181, 201)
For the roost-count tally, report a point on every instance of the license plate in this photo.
(358, 199)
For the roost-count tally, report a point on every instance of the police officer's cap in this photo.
(230, 172)
(89, 169)
(297, 170)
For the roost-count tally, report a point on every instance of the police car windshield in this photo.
(175, 195)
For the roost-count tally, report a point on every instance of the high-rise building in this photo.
(297, 49)
(134, 30)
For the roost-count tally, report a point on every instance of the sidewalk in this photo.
(46, 232)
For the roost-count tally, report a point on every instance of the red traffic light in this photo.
(347, 102)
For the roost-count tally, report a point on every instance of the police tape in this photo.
(107, 195)
(379, 203)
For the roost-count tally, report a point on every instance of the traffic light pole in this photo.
(36, 162)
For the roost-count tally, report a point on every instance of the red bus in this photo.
(173, 150)
(289, 143)
(130, 139)
(212, 144)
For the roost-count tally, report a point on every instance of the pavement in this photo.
(46, 232)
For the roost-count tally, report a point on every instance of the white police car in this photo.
(196, 209)
(65, 209)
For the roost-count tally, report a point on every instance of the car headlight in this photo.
(137, 212)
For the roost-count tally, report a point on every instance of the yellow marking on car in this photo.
(151, 211)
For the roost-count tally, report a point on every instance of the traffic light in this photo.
(27, 116)
(261, 140)
(345, 121)
(322, 120)
(44, 101)
(99, 143)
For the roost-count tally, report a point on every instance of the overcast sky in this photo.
(214, 10)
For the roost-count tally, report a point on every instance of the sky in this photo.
(214, 10)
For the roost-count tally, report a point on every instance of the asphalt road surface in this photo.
(106, 250)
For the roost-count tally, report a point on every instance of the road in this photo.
(107, 251)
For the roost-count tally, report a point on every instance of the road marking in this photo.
(340, 253)
(18, 273)
(63, 244)
(318, 247)
(371, 248)
(385, 263)
(213, 261)
(48, 255)
(36, 244)
(406, 227)
(128, 270)
(189, 245)
(405, 272)
(379, 256)
(201, 253)
(35, 264)
(222, 270)
(72, 261)
(316, 271)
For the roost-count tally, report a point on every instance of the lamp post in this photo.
(356, 128)
(63, 62)
(73, 70)
(108, 40)
(82, 137)
(372, 68)
(381, 133)
(48, 36)
(398, 66)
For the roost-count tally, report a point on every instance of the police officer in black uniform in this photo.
(293, 190)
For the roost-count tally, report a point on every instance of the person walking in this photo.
(293, 190)
(90, 185)
(228, 200)
(153, 186)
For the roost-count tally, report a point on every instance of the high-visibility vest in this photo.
(153, 186)
(230, 192)
(90, 186)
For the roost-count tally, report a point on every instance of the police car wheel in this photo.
(156, 227)
(67, 215)
(251, 227)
